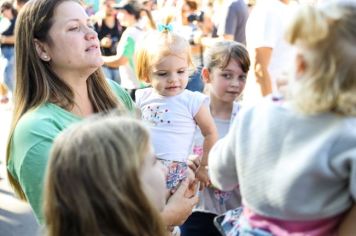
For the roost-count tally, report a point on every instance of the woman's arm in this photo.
(179, 207)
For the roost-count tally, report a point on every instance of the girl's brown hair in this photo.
(221, 53)
(92, 184)
(36, 82)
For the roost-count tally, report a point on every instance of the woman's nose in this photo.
(91, 34)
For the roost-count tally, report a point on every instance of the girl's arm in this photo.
(208, 130)
(222, 161)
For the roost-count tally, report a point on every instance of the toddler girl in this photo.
(164, 60)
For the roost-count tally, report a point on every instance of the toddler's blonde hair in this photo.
(327, 39)
(157, 45)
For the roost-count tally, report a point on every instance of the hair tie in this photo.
(162, 27)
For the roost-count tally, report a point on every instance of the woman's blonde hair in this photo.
(36, 82)
(327, 39)
(92, 182)
(158, 44)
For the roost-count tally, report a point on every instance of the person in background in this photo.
(191, 17)
(129, 15)
(225, 72)
(59, 82)
(109, 33)
(233, 22)
(103, 179)
(19, 4)
(7, 43)
(295, 161)
(271, 56)
(91, 6)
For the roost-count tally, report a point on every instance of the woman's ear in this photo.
(205, 73)
(41, 50)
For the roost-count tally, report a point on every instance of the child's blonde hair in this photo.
(158, 44)
(93, 185)
(327, 38)
(221, 53)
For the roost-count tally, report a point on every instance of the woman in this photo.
(58, 82)
(130, 16)
(109, 32)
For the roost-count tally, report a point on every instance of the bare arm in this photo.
(228, 37)
(7, 39)
(179, 207)
(120, 58)
(115, 60)
(348, 226)
(261, 62)
(208, 129)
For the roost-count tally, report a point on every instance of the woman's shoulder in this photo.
(36, 117)
(45, 119)
(121, 94)
(36, 130)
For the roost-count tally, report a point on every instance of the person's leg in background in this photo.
(9, 55)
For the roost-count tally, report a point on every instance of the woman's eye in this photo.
(90, 26)
(74, 28)
(181, 72)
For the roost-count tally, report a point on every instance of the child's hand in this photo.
(192, 185)
(203, 177)
(194, 162)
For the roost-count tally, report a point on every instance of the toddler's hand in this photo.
(193, 162)
(203, 177)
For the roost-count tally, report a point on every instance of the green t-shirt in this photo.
(32, 141)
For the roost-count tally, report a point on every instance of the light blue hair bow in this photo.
(162, 27)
